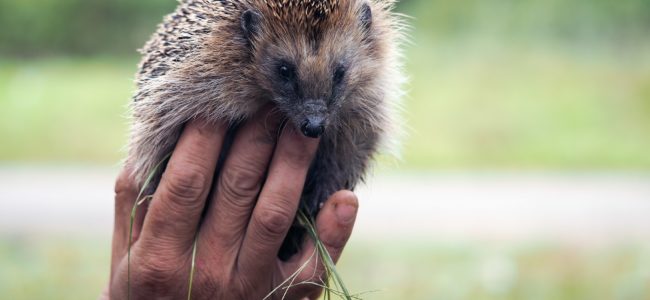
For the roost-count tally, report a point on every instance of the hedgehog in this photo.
(332, 67)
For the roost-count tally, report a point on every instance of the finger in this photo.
(334, 225)
(277, 204)
(177, 205)
(239, 184)
(126, 192)
(335, 222)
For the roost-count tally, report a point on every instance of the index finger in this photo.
(126, 194)
(278, 202)
(179, 200)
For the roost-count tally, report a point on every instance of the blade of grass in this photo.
(138, 202)
(328, 263)
(290, 278)
(193, 267)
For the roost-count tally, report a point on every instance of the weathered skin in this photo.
(331, 67)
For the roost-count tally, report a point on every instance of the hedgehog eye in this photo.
(339, 74)
(286, 72)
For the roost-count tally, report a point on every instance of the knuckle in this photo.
(124, 183)
(335, 239)
(211, 281)
(238, 182)
(336, 245)
(155, 269)
(274, 221)
(185, 184)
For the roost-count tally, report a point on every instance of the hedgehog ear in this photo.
(250, 23)
(366, 16)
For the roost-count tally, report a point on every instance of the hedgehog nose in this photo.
(313, 127)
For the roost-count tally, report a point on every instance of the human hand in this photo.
(252, 205)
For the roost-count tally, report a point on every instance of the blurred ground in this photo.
(456, 235)
(571, 208)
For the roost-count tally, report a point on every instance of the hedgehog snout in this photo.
(314, 118)
(313, 126)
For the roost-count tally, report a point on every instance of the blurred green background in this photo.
(495, 85)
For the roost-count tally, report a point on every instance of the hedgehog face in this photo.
(309, 66)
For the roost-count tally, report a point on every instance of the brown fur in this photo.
(202, 63)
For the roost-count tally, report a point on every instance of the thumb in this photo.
(334, 225)
(336, 221)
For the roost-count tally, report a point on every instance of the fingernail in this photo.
(345, 213)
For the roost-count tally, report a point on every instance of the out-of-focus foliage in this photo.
(62, 109)
(47, 27)
(561, 84)
(551, 84)
(566, 21)
(69, 268)
(36, 27)
(53, 268)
